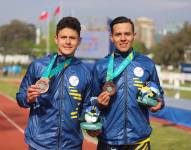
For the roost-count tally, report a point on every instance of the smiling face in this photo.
(123, 36)
(67, 41)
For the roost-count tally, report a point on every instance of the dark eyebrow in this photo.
(117, 33)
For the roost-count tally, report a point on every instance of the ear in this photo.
(134, 35)
(79, 42)
(111, 37)
(56, 40)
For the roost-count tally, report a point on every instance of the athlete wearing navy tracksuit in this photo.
(54, 115)
(125, 122)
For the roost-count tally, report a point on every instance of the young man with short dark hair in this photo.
(56, 88)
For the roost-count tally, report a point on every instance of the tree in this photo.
(42, 46)
(140, 47)
(171, 49)
(52, 34)
(17, 38)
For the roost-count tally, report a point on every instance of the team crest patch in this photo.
(138, 71)
(74, 80)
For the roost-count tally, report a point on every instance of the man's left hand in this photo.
(157, 107)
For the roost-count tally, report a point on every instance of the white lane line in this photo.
(8, 97)
(12, 122)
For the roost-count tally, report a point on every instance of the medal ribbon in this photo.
(58, 68)
(49, 67)
(52, 72)
(111, 74)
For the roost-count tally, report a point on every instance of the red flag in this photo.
(57, 10)
(43, 15)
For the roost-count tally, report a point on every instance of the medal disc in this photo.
(109, 87)
(43, 84)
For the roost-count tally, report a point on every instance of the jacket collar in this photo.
(61, 58)
(117, 53)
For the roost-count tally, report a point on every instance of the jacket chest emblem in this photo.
(138, 71)
(74, 80)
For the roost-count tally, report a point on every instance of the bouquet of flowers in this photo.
(148, 94)
(91, 121)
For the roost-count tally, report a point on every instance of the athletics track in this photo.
(13, 120)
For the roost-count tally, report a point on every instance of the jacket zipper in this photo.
(126, 118)
(60, 113)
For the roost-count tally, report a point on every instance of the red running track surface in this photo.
(13, 120)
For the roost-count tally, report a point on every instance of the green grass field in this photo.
(169, 138)
(183, 94)
(163, 137)
(8, 87)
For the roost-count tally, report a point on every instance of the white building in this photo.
(145, 29)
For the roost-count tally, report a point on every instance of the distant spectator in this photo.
(16, 69)
(5, 71)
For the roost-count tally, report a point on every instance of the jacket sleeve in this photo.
(97, 83)
(154, 78)
(26, 82)
(87, 95)
(98, 76)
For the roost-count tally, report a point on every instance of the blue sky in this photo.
(162, 11)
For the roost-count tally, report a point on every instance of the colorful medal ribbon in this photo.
(58, 68)
(52, 72)
(49, 67)
(111, 74)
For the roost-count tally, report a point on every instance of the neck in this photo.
(65, 56)
(124, 54)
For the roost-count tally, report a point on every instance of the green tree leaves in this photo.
(171, 49)
(17, 38)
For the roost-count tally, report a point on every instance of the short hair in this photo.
(121, 19)
(69, 22)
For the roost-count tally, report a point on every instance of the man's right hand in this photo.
(32, 93)
(104, 98)
(93, 133)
